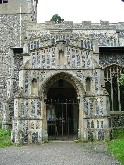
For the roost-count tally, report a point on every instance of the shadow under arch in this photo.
(74, 114)
(61, 118)
(72, 79)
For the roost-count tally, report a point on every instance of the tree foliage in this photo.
(121, 80)
(57, 19)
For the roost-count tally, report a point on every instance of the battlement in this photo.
(85, 25)
(103, 25)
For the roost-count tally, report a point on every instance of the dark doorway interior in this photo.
(62, 111)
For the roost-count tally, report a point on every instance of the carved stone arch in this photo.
(113, 69)
(65, 76)
(114, 64)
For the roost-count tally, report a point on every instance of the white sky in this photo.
(82, 10)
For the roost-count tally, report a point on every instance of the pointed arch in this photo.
(65, 76)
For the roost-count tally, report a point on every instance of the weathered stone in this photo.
(36, 58)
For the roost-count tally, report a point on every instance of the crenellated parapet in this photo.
(107, 34)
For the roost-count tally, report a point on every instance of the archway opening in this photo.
(62, 111)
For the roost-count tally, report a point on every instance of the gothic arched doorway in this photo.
(62, 111)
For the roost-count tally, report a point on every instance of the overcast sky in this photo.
(82, 10)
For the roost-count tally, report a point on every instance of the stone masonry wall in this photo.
(18, 25)
(9, 38)
(13, 17)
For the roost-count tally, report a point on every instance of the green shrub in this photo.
(5, 138)
(116, 146)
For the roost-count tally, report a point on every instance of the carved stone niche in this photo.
(61, 48)
(34, 87)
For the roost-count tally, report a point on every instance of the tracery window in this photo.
(3, 1)
(116, 92)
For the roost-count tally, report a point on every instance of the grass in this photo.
(5, 138)
(116, 146)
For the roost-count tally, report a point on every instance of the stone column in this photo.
(81, 124)
(44, 122)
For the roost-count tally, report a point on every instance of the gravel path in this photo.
(57, 153)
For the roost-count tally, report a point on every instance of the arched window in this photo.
(116, 94)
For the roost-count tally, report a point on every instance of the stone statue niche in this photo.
(34, 87)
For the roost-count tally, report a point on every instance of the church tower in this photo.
(14, 14)
(28, 7)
